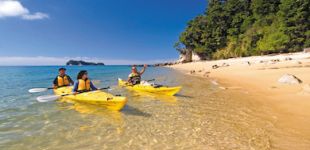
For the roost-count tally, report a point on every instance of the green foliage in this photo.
(274, 39)
(193, 36)
(236, 28)
(263, 8)
(295, 15)
(231, 50)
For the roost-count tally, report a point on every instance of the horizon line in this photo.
(61, 61)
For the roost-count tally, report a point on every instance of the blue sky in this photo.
(112, 31)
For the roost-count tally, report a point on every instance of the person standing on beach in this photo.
(62, 79)
(83, 83)
(135, 76)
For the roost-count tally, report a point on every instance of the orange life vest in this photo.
(63, 81)
(84, 85)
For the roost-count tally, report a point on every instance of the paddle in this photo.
(150, 80)
(48, 98)
(144, 80)
(38, 90)
(155, 85)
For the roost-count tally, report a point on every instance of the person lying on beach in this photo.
(83, 83)
(62, 79)
(135, 76)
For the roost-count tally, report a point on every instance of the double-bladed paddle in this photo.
(38, 90)
(150, 80)
(129, 84)
(48, 98)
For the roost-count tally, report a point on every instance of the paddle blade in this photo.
(37, 90)
(48, 98)
(150, 80)
(105, 88)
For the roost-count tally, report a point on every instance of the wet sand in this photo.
(256, 79)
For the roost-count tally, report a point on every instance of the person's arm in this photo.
(143, 70)
(75, 87)
(128, 80)
(70, 80)
(55, 83)
(92, 86)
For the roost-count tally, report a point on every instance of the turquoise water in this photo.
(201, 116)
(16, 81)
(23, 118)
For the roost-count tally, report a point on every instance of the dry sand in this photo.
(257, 74)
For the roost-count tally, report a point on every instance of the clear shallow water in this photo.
(201, 117)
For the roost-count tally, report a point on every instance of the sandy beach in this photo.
(258, 77)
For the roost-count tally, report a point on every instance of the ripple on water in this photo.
(200, 117)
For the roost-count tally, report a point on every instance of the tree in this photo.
(234, 28)
(217, 26)
(295, 14)
(239, 15)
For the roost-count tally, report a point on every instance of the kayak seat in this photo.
(157, 86)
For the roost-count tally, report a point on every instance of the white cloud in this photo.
(35, 16)
(43, 61)
(13, 8)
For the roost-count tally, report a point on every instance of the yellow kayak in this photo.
(99, 98)
(162, 90)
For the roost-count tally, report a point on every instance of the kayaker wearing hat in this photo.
(83, 83)
(62, 79)
(135, 76)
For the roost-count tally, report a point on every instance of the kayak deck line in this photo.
(99, 98)
(163, 90)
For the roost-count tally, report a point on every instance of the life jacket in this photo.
(63, 81)
(135, 78)
(84, 85)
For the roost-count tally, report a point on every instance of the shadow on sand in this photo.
(184, 96)
(129, 110)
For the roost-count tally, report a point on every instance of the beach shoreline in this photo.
(257, 78)
(258, 73)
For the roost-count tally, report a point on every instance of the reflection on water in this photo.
(143, 96)
(201, 116)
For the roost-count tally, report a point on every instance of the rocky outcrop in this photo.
(289, 79)
(140, 65)
(185, 57)
(189, 56)
(82, 63)
(307, 50)
(196, 57)
(182, 58)
(165, 64)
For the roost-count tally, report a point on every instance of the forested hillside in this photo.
(234, 28)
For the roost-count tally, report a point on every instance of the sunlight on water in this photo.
(201, 116)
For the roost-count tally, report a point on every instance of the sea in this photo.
(200, 116)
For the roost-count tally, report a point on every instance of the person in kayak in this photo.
(135, 76)
(83, 83)
(62, 79)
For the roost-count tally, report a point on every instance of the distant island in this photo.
(82, 63)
